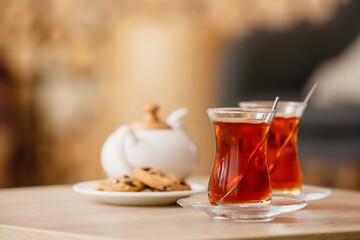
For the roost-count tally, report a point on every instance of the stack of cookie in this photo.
(144, 179)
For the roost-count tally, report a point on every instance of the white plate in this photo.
(135, 198)
(307, 193)
(257, 212)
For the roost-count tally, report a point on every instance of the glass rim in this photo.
(288, 103)
(240, 110)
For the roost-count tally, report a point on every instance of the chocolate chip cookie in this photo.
(120, 184)
(156, 178)
(182, 185)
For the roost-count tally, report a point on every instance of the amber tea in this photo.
(284, 166)
(240, 171)
(283, 159)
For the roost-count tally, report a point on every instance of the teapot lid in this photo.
(150, 119)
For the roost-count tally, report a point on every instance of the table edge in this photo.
(12, 232)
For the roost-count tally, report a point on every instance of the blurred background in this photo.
(71, 72)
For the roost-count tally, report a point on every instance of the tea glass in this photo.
(283, 160)
(240, 172)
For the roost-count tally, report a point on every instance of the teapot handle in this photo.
(174, 118)
(113, 157)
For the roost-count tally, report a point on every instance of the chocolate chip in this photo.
(164, 189)
(126, 176)
(146, 169)
(115, 181)
(182, 183)
(130, 184)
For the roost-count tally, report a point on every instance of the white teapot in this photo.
(150, 143)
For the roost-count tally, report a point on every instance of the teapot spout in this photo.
(174, 118)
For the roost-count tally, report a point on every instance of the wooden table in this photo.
(56, 212)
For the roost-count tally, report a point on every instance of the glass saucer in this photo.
(243, 212)
(307, 193)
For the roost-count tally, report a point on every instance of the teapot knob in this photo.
(150, 119)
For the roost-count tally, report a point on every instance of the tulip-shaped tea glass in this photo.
(240, 172)
(284, 166)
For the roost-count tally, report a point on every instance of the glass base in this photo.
(244, 204)
(307, 193)
(257, 212)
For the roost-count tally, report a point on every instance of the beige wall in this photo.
(78, 70)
